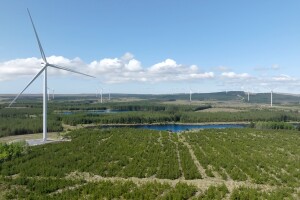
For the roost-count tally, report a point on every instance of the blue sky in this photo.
(153, 46)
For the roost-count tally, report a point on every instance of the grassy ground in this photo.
(15, 138)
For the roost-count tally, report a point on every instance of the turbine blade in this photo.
(27, 86)
(37, 38)
(70, 70)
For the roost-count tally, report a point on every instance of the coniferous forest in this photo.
(125, 163)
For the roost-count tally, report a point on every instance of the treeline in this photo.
(120, 118)
(145, 105)
(26, 121)
(272, 125)
(17, 126)
(179, 117)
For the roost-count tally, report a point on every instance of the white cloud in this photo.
(19, 67)
(109, 70)
(166, 66)
(283, 78)
(233, 75)
(133, 65)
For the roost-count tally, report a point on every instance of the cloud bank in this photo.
(108, 70)
(127, 68)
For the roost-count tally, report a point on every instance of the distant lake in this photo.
(183, 127)
(92, 111)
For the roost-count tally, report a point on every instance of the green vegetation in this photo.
(214, 192)
(263, 157)
(179, 116)
(251, 193)
(27, 118)
(26, 121)
(99, 164)
(11, 151)
(189, 168)
(272, 125)
(262, 162)
(107, 153)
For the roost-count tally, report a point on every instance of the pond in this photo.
(184, 127)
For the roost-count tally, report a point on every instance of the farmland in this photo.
(103, 163)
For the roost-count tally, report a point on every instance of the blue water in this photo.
(183, 127)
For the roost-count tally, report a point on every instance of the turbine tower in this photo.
(45, 65)
(248, 95)
(190, 95)
(271, 98)
(101, 94)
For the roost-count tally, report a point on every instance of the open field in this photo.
(15, 138)
(210, 163)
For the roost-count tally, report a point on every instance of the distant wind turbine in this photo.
(45, 65)
(271, 94)
(190, 94)
(271, 98)
(101, 94)
(248, 96)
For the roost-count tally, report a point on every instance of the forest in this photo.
(103, 163)
(26, 116)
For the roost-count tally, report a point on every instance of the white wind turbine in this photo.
(101, 94)
(247, 91)
(271, 94)
(191, 92)
(45, 65)
(271, 98)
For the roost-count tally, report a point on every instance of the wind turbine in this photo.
(271, 98)
(248, 93)
(45, 65)
(248, 96)
(190, 94)
(101, 94)
(271, 94)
